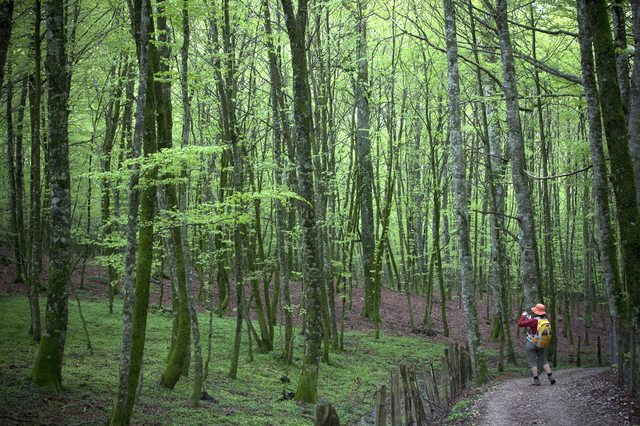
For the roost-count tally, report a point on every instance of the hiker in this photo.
(538, 337)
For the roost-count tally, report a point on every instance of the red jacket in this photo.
(528, 321)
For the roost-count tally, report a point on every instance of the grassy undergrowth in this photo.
(90, 380)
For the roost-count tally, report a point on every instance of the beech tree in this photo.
(47, 370)
(528, 248)
(142, 205)
(458, 170)
(614, 124)
(606, 240)
(296, 23)
(6, 21)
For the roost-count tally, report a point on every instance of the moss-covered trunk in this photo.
(365, 169)
(615, 127)
(35, 248)
(6, 15)
(458, 171)
(177, 360)
(528, 247)
(280, 138)
(307, 390)
(142, 206)
(47, 371)
(606, 235)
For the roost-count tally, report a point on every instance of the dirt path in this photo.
(580, 397)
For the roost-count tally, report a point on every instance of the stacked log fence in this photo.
(417, 394)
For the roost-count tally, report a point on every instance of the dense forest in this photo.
(286, 166)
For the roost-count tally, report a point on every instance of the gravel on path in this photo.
(580, 397)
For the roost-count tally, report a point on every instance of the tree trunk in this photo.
(436, 256)
(528, 258)
(112, 116)
(226, 86)
(296, 28)
(606, 235)
(138, 258)
(495, 166)
(21, 230)
(13, 202)
(6, 24)
(365, 168)
(178, 358)
(35, 257)
(618, 146)
(458, 170)
(548, 230)
(47, 371)
(634, 103)
(196, 392)
(622, 56)
(280, 135)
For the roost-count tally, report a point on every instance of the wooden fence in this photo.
(416, 395)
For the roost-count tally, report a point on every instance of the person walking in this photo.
(537, 340)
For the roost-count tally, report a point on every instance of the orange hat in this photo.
(538, 309)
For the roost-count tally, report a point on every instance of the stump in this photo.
(326, 415)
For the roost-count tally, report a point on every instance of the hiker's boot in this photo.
(551, 379)
(536, 381)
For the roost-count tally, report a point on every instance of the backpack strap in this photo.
(530, 335)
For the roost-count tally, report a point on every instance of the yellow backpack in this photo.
(542, 338)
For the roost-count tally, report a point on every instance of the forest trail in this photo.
(580, 397)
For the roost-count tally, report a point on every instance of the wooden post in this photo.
(444, 381)
(451, 374)
(430, 409)
(408, 412)
(436, 396)
(326, 415)
(417, 399)
(396, 415)
(381, 416)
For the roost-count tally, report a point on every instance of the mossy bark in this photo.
(621, 176)
(6, 14)
(365, 170)
(281, 136)
(47, 371)
(634, 103)
(458, 171)
(528, 246)
(177, 361)
(606, 234)
(139, 256)
(296, 29)
(35, 218)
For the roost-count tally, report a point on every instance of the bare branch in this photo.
(575, 172)
(546, 68)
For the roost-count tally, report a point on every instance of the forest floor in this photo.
(416, 343)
